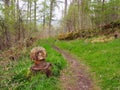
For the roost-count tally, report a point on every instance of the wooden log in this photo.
(42, 68)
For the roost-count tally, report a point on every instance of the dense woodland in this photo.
(18, 21)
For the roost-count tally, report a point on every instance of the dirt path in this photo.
(76, 76)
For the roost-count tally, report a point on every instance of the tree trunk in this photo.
(65, 12)
(103, 5)
(28, 6)
(6, 33)
(18, 21)
(13, 10)
(30, 14)
(79, 24)
(44, 16)
(82, 14)
(35, 15)
(50, 18)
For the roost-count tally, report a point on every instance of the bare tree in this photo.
(65, 12)
(6, 33)
(51, 13)
(35, 4)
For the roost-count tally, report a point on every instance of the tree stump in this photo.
(38, 55)
(116, 34)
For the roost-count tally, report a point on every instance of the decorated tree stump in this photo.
(38, 55)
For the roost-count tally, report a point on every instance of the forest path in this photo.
(75, 76)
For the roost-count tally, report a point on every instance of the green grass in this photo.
(103, 60)
(17, 77)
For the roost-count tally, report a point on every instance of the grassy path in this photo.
(102, 59)
(76, 76)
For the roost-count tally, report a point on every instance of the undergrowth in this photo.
(18, 77)
(102, 58)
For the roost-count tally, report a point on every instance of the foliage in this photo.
(101, 39)
(105, 11)
(18, 77)
(20, 18)
(77, 34)
(102, 58)
(89, 14)
(72, 17)
(68, 35)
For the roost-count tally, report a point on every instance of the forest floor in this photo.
(76, 76)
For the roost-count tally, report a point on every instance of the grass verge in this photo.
(102, 58)
(16, 76)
